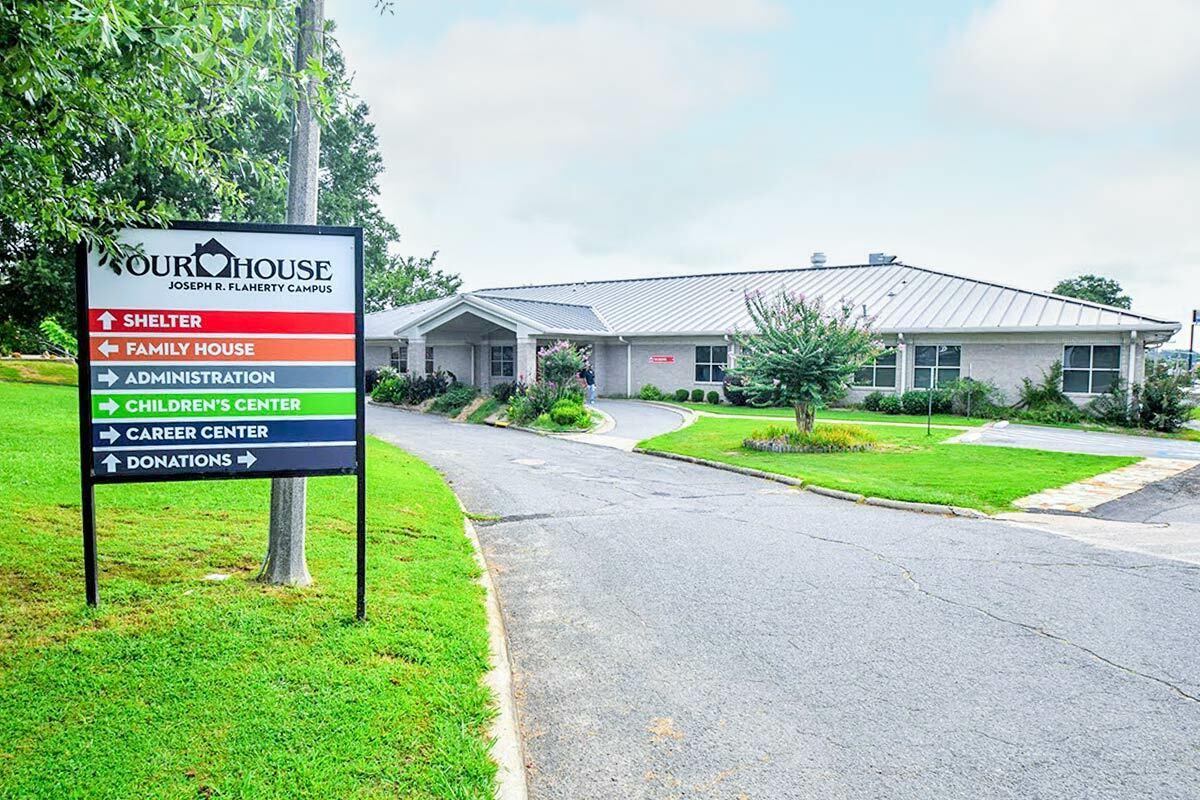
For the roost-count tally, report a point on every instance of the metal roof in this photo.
(554, 316)
(900, 298)
(384, 324)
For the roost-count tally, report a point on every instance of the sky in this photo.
(1019, 141)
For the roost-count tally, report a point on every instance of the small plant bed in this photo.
(905, 464)
(821, 439)
(581, 424)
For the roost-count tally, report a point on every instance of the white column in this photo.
(526, 359)
(416, 357)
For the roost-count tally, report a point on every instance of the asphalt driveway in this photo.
(684, 632)
(1068, 440)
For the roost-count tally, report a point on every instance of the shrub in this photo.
(697, 395)
(503, 392)
(1052, 414)
(650, 392)
(1112, 407)
(871, 401)
(733, 391)
(681, 395)
(539, 398)
(713, 397)
(915, 401)
(571, 414)
(390, 387)
(423, 387)
(560, 362)
(821, 439)
(1162, 403)
(370, 378)
(891, 404)
(454, 399)
(543, 421)
(1046, 392)
(968, 394)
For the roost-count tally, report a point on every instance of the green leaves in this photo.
(103, 84)
(801, 353)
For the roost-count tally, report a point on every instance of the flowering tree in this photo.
(801, 353)
(561, 362)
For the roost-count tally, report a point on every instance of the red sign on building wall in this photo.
(662, 359)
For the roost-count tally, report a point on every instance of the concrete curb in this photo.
(512, 782)
(689, 416)
(882, 502)
(607, 423)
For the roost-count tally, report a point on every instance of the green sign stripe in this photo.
(201, 405)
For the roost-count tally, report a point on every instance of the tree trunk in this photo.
(286, 562)
(805, 414)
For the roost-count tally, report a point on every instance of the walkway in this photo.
(678, 631)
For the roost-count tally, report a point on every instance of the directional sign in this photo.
(216, 350)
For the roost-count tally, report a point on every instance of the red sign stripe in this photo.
(146, 320)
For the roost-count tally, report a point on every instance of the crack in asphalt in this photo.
(911, 578)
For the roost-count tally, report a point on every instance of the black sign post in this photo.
(222, 351)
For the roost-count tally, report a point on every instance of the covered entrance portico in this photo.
(485, 343)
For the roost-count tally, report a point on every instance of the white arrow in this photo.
(248, 459)
(108, 349)
(106, 319)
(110, 435)
(110, 406)
(108, 377)
(111, 462)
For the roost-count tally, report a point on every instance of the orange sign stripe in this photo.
(202, 348)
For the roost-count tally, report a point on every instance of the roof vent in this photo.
(880, 259)
(818, 259)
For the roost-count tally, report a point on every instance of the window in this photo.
(399, 359)
(428, 360)
(503, 361)
(879, 373)
(1090, 368)
(936, 365)
(711, 362)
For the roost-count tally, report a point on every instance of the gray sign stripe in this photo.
(183, 377)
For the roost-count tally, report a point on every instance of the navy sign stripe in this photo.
(220, 431)
(222, 461)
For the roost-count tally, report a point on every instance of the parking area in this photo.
(1069, 440)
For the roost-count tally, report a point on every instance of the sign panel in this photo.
(662, 359)
(214, 350)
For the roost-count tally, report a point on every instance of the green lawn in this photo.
(26, 371)
(909, 464)
(181, 687)
(847, 414)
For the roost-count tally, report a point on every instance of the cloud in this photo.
(1077, 65)
(518, 89)
(742, 14)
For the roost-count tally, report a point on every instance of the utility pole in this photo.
(286, 562)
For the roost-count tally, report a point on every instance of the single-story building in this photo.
(675, 331)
